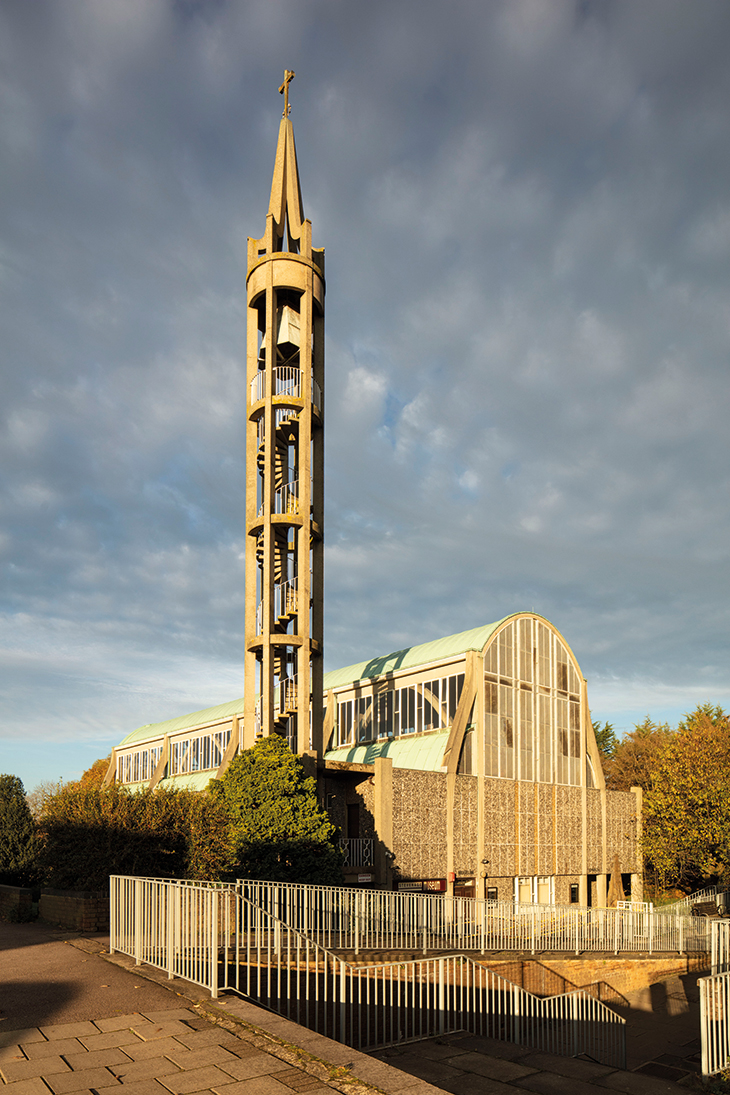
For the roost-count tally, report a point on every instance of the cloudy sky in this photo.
(525, 206)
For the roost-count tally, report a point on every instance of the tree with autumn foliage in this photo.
(686, 778)
(632, 759)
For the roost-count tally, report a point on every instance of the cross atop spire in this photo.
(284, 90)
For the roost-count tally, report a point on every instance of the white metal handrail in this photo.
(285, 598)
(285, 697)
(257, 386)
(285, 602)
(715, 1022)
(286, 499)
(709, 894)
(720, 946)
(349, 919)
(287, 383)
(220, 939)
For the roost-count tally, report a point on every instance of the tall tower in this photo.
(284, 466)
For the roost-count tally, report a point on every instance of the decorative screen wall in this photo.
(532, 704)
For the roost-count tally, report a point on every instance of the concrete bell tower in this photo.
(284, 466)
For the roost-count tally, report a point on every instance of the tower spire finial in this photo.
(284, 90)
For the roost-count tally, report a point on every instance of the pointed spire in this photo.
(286, 199)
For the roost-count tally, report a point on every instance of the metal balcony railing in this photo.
(358, 852)
(257, 386)
(286, 499)
(285, 697)
(287, 381)
(285, 603)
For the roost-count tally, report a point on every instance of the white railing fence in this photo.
(349, 919)
(176, 926)
(715, 1022)
(221, 939)
(720, 946)
(712, 893)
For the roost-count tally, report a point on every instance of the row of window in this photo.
(138, 766)
(398, 712)
(198, 754)
(195, 754)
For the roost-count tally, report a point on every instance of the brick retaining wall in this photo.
(75, 910)
(16, 903)
(550, 976)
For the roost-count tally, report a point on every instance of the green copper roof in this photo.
(409, 658)
(421, 754)
(183, 722)
(413, 656)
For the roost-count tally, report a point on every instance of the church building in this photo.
(467, 765)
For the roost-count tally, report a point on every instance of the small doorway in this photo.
(535, 890)
(353, 822)
(465, 887)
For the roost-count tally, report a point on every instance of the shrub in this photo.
(17, 835)
(88, 834)
(278, 830)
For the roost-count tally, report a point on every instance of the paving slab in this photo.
(89, 1078)
(27, 1087)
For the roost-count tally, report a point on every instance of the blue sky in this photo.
(525, 208)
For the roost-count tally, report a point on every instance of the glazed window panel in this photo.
(526, 651)
(344, 722)
(561, 667)
(364, 718)
(506, 733)
(544, 736)
(383, 709)
(543, 655)
(526, 735)
(561, 708)
(505, 652)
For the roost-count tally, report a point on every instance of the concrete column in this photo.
(383, 810)
(601, 890)
(637, 875)
(583, 889)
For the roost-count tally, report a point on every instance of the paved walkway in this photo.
(76, 1021)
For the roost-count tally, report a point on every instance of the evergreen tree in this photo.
(278, 830)
(17, 834)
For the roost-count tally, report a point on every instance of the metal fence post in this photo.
(172, 891)
(138, 921)
(441, 1003)
(213, 968)
(358, 914)
(112, 912)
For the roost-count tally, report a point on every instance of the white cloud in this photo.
(524, 207)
